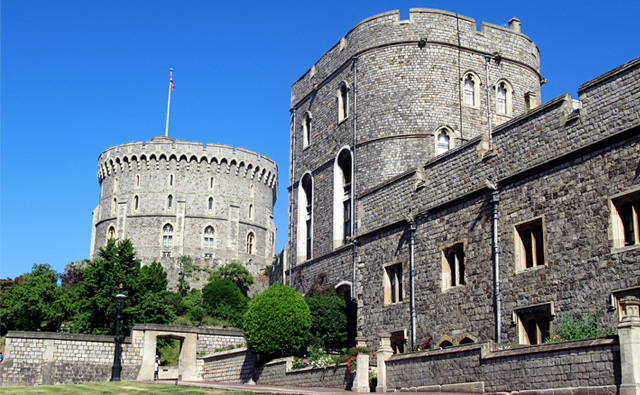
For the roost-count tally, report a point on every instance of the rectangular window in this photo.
(624, 220)
(529, 244)
(534, 324)
(453, 266)
(166, 254)
(393, 292)
(346, 204)
(398, 339)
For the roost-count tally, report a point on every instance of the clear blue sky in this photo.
(81, 76)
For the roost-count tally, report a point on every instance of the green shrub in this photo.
(277, 322)
(328, 320)
(224, 300)
(576, 328)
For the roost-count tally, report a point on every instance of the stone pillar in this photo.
(362, 370)
(629, 335)
(384, 352)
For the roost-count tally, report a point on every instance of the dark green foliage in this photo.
(236, 273)
(223, 300)
(277, 322)
(33, 304)
(576, 328)
(328, 320)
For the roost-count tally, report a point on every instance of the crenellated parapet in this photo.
(160, 152)
(427, 28)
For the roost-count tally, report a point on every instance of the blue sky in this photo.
(80, 76)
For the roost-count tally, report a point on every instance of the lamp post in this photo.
(117, 367)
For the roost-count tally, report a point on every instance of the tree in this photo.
(224, 300)
(32, 304)
(236, 273)
(277, 321)
(328, 320)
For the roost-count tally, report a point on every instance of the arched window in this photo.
(504, 93)
(343, 102)
(211, 183)
(135, 202)
(208, 237)
(470, 88)
(342, 215)
(167, 235)
(169, 202)
(114, 206)
(443, 142)
(251, 211)
(305, 218)
(111, 233)
(115, 185)
(210, 205)
(137, 180)
(250, 241)
(251, 191)
(306, 129)
(171, 180)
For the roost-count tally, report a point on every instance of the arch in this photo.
(111, 233)
(136, 203)
(504, 98)
(444, 341)
(250, 243)
(169, 202)
(114, 206)
(209, 237)
(444, 140)
(167, 235)
(164, 157)
(193, 158)
(470, 88)
(306, 129)
(305, 218)
(210, 205)
(183, 157)
(342, 188)
(343, 101)
(251, 211)
(466, 338)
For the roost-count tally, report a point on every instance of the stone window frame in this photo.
(342, 99)
(624, 234)
(535, 320)
(528, 253)
(473, 77)
(116, 184)
(251, 212)
(209, 238)
(211, 183)
(342, 195)
(170, 202)
(453, 265)
(307, 128)
(167, 235)
(393, 283)
(305, 217)
(137, 180)
(210, 205)
(450, 135)
(170, 180)
(508, 88)
(111, 233)
(398, 341)
(251, 240)
(114, 207)
(136, 202)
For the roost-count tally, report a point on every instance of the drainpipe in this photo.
(487, 60)
(292, 161)
(412, 275)
(353, 176)
(495, 199)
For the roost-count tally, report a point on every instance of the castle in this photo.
(429, 182)
(170, 197)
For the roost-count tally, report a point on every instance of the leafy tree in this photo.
(277, 321)
(328, 320)
(144, 288)
(32, 304)
(223, 299)
(236, 273)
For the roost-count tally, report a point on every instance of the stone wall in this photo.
(233, 366)
(278, 372)
(563, 367)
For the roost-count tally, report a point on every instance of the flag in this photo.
(171, 81)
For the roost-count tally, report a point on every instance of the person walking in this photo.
(156, 369)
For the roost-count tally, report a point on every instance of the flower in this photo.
(352, 364)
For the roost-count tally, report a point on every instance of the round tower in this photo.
(210, 202)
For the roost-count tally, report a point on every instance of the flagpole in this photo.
(166, 131)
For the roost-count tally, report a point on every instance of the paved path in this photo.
(262, 389)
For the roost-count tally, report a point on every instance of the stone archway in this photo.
(187, 365)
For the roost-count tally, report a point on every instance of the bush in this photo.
(328, 320)
(236, 273)
(224, 300)
(576, 328)
(277, 322)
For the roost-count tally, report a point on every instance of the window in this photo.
(529, 245)
(169, 202)
(166, 254)
(398, 340)
(534, 324)
(115, 185)
(171, 180)
(470, 89)
(111, 233)
(136, 202)
(305, 218)
(208, 237)
(250, 241)
(210, 205)
(343, 102)
(306, 130)
(624, 220)
(114, 206)
(443, 141)
(137, 181)
(342, 215)
(503, 98)
(251, 191)
(211, 183)
(393, 292)
(167, 235)
(453, 271)
(251, 211)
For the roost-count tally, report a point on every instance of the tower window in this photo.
(342, 198)
(625, 220)
(306, 130)
(208, 237)
(135, 202)
(529, 245)
(169, 202)
(111, 233)
(504, 94)
(250, 241)
(251, 211)
(453, 266)
(114, 206)
(443, 142)
(343, 102)
(171, 180)
(393, 292)
(167, 235)
(470, 89)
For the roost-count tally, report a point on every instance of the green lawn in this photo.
(113, 388)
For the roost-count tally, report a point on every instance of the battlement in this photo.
(425, 27)
(187, 155)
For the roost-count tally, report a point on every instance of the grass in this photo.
(113, 388)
